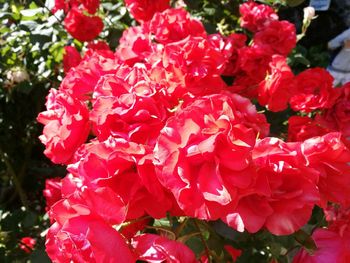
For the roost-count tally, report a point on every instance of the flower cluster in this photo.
(81, 20)
(152, 129)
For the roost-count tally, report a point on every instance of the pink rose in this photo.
(203, 153)
(329, 156)
(52, 191)
(85, 238)
(154, 249)
(331, 247)
(81, 80)
(128, 108)
(67, 126)
(291, 190)
(135, 45)
(173, 25)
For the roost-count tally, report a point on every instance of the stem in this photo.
(171, 233)
(181, 227)
(16, 182)
(207, 251)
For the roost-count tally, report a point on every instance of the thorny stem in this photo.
(207, 251)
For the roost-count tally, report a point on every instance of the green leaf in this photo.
(111, 7)
(33, 5)
(28, 25)
(32, 12)
(163, 222)
(57, 51)
(16, 12)
(305, 240)
(195, 244)
(5, 15)
(299, 58)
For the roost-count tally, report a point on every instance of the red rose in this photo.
(332, 243)
(173, 25)
(279, 37)
(154, 249)
(82, 27)
(293, 185)
(64, 5)
(245, 86)
(126, 169)
(81, 80)
(292, 190)
(27, 244)
(82, 198)
(195, 65)
(337, 117)
(255, 16)
(130, 229)
(329, 156)
(135, 45)
(230, 47)
(338, 218)
(143, 10)
(254, 62)
(314, 90)
(67, 126)
(91, 5)
(203, 153)
(128, 109)
(85, 238)
(301, 128)
(52, 192)
(277, 88)
(71, 58)
(98, 45)
(331, 247)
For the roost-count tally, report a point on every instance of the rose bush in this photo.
(159, 143)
